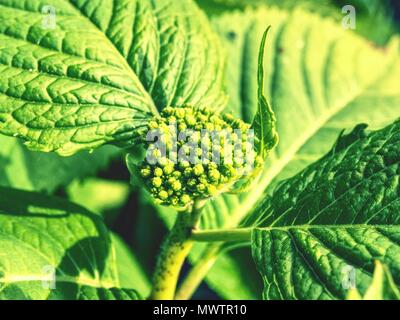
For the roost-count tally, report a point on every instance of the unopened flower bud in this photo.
(157, 182)
(178, 182)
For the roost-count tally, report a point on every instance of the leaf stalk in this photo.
(224, 235)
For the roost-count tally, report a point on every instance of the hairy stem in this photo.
(173, 254)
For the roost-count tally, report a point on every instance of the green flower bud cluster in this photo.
(205, 169)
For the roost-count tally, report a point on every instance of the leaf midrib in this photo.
(324, 226)
(80, 280)
(126, 65)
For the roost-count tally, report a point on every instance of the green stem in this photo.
(236, 235)
(198, 272)
(202, 266)
(173, 254)
(210, 255)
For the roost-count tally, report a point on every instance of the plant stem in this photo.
(237, 235)
(210, 255)
(173, 254)
(198, 272)
(202, 266)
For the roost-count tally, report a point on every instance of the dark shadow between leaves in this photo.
(22, 203)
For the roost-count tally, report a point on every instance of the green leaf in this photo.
(38, 171)
(130, 271)
(220, 6)
(338, 214)
(382, 286)
(42, 236)
(68, 292)
(264, 123)
(375, 18)
(64, 90)
(320, 78)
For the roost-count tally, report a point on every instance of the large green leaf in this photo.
(287, 4)
(320, 80)
(374, 18)
(38, 171)
(103, 70)
(130, 272)
(341, 212)
(70, 292)
(41, 236)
